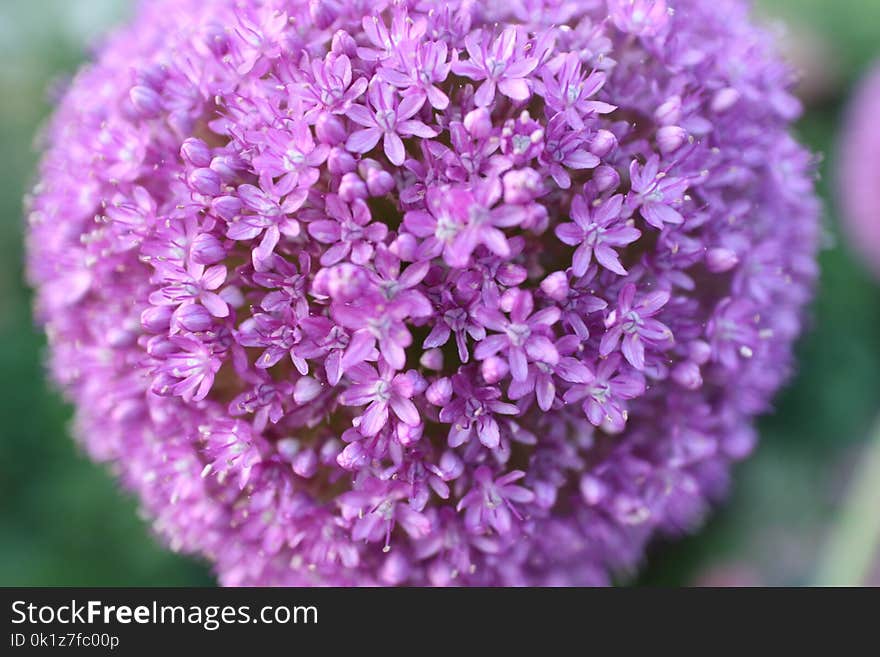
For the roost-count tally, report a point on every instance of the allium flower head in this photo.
(859, 171)
(424, 292)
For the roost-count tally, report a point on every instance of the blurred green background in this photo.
(63, 521)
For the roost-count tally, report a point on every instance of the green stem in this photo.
(854, 545)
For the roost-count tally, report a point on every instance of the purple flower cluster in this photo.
(859, 171)
(424, 292)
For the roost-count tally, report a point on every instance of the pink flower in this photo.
(406, 293)
(388, 120)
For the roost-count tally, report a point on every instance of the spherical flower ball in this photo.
(468, 293)
(859, 171)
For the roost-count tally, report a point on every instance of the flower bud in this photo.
(669, 111)
(206, 249)
(205, 181)
(521, 186)
(605, 178)
(687, 375)
(494, 369)
(351, 187)
(193, 317)
(306, 389)
(602, 143)
(195, 152)
(439, 393)
(699, 351)
(555, 286)
(305, 463)
(478, 123)
(340, 161)
(146, 101)
(156, 319)
(226, 207)
(719, 260)
(330, 130)
(343, 44)
(228, 166)
(379, 181)
(432, 359)
(593, 489)
(408, 435)
(724, 99)
(670, 138)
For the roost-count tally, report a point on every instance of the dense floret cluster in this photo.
(424, 292)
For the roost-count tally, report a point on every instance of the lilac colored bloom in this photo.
(605, 394)
(473, 412)
(541, 378)
(405, 30)
(458, 220)
(500, 62)
(859, 172)
(419, 72)
(381, 390)
(375, 317)
(272, 218)
(348, 231)
(187, 368)
(564, 151)
(388, 120)
(632, 325)
(233, 449)
(568, 91)
(196, 283)
(455, 318)
(422, 292)
(640, 17)
(656, 193)
(290, 154)
(595, 231)
(523, 337)
(492, 504)
(330, 87)
(376, 509)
